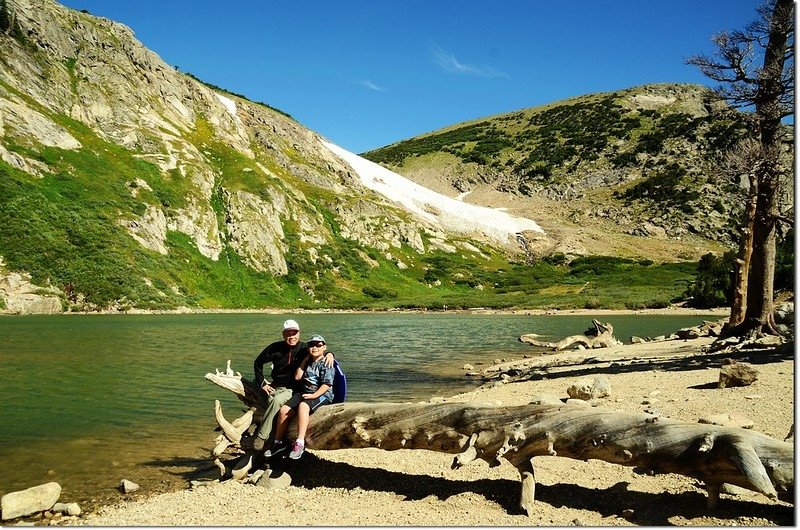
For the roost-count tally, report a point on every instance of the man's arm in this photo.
(329, 359)
(258, 367)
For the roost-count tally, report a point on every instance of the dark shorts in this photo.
(313, 404)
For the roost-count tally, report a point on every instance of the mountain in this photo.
(637, 172)
(128, 184)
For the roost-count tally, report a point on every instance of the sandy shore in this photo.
(371, 487)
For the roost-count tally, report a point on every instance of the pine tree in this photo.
(5, 17)
(769, 89)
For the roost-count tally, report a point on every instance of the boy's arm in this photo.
(321, 390)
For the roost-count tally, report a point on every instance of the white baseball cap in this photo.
(291, 325)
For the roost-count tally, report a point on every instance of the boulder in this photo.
(273, 479)
(589, 389)
(784, 314)
(71, 508)
(545, 399)
(32, 500)
(733, 373)
(689, 333)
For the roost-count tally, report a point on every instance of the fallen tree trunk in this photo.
(716, 455)
(600, 336)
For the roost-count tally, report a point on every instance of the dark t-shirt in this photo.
(285, 361)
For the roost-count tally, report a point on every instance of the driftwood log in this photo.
(713, 454)
(601, 335)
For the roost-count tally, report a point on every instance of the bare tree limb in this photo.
(716, 455)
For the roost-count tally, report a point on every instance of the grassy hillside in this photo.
(646, 152)
(63, 229)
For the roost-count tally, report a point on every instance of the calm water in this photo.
(91, 399)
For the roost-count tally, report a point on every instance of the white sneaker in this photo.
(297, 450)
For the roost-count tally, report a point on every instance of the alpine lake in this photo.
(89, 400)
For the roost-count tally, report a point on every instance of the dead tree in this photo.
(599, 336)
(716, 455)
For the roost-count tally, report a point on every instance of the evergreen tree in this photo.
(769, 89)
(5, 17)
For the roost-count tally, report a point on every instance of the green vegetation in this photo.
(590, 282)
(670, 186)
(226, 91)
(9, 23)
(657, 148)
(69, 227)
(5, 17)
(713, 284)
(63, 230)
(784, 262)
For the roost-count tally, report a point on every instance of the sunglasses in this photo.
(315, 344)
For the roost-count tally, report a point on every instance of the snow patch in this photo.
(449, 214)
(228, 103)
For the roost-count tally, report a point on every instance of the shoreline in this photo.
(672, 310)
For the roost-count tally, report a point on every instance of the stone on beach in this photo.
(733, 373)
(126, 486)
(587, 389)
(70, 508)
(29, 501)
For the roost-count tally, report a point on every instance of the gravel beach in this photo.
(372, 487)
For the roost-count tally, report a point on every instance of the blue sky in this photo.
(366, 73)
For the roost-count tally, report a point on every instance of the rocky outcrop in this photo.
(255, 231)
(370, 224)
(21, 297)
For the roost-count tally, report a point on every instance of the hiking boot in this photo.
(258, 443)
(276, 448)
(297, 450)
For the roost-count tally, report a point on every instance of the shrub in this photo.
(713, 284)
(379, 292)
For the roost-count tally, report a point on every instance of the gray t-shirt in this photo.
(316, 375)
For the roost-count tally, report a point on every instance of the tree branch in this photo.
(716, 455)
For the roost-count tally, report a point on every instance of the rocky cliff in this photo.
(127, 183)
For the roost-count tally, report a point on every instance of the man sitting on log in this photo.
(286, 356)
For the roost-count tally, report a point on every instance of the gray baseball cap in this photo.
(317, 338)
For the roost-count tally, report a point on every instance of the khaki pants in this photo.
(276, 401)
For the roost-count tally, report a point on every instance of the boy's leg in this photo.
(302, 424)
(284, 415)
(275, 403)
(304, 410)
(303, 413)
